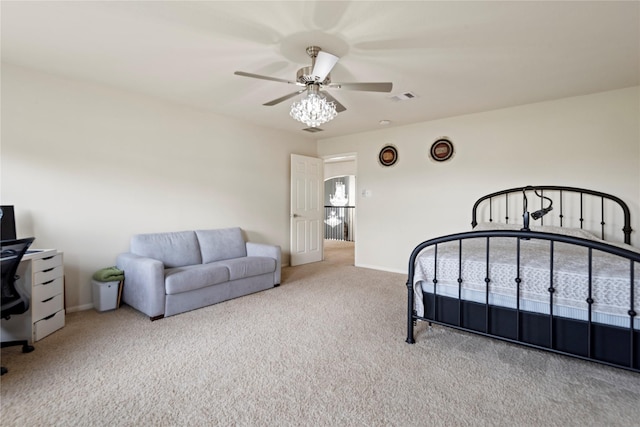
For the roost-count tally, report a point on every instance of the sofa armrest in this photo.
(271, 251)
(143, 287)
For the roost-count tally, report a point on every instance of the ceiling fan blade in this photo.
(283, 98)
(368, 87)
(339, 107)
(323, 65)
(258, 76)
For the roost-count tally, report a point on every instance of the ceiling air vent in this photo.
(405, 96)
(313, 130)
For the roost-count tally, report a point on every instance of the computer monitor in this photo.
(7, 223)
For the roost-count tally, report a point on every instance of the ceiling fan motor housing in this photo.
(305, 76)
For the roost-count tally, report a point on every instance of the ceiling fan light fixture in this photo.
(322, 65)
(313, 110)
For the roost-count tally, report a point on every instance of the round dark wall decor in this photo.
(388, 155)
(441, 150)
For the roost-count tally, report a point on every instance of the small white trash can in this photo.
(105, 295)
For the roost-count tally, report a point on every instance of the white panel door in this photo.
(307, 209)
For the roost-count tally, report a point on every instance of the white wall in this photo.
(333, 169)
(588, 141)
(87, 166)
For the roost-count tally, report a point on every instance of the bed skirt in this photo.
(606, 343)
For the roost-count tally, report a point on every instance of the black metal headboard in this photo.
(502, 197)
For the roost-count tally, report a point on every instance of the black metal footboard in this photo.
(588, 339)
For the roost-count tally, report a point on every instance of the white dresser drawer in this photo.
(47, 275)
(47, 263)
(48, 289)
(46, 326)
(42, 309)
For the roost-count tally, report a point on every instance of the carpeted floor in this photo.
(325, 348)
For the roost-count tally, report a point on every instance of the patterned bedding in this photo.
(610, 277)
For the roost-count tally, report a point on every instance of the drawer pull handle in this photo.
(47, 270)
(49, 317)
(46, 283)
(49, 257)
(48, 299)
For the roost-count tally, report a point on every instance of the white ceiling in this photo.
(456, 57)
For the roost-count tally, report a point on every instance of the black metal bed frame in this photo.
(626, 229)
(588, 340)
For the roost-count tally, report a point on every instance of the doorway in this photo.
(340, 205)
(339, 208)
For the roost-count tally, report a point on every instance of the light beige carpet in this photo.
(324, 349)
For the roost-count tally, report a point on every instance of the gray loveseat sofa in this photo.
(170, 273)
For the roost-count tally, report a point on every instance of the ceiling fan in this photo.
(316, 77)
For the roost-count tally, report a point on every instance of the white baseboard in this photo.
(82, 307)
(376, 267)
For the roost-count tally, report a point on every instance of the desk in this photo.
(42, 277)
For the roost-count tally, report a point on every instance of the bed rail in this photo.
(611, 345)
(545, 191)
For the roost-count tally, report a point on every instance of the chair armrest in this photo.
(143, 287)
(270, 251)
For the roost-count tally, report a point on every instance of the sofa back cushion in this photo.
(218, 245)
(175, 249)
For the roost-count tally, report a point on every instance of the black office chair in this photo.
(14, 299)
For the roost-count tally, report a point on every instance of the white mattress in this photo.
(610, 278)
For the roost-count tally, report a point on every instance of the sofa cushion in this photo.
(175, 249)
(189, 278)
(217, 245)
(240, 268)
